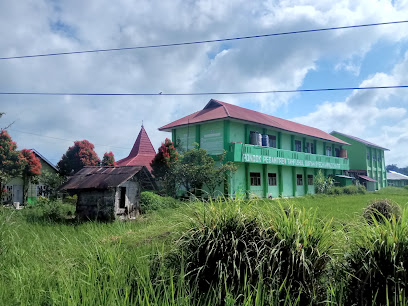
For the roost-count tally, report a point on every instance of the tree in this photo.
(164, 158)
(162, 167)
(108, 159)
(81, 154)
(10, 164)
(52, 181)
(31, 169)
(197, 170)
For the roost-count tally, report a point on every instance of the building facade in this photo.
(15, 186)
(274, 157)
(367, 161)
(396, 179)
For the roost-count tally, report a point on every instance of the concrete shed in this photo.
(108, 193)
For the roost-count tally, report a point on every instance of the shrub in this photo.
(380, 209)
(361, 189)
(150, 201)
(351, 189)
(377, 263)
(336, 190)
(48, 210)
(228, 249)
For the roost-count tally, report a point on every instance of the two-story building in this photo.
(367, 162)
(274, 157)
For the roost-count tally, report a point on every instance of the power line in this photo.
(205, 41)
(64, 139)
(200, 93)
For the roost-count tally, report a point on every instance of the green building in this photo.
(367, 163)
(396, 179)
(274, 157)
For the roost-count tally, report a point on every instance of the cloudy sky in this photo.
(374, 56)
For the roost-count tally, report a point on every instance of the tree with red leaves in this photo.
(108, 159)
(31, 170)
(81, 154)
(161, 165)
(165, 156)
(10, 164)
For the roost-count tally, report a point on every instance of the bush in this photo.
(361, 189)
(228, 249)
(48, 210)
(150, 201)
(380, 209)
(351, 189)
(377, 264)
(335, 191)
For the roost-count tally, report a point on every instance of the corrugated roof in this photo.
(361, 140)
(392, 175)
(367, 178)
(142, 152)
(220, 110)
(101, 177)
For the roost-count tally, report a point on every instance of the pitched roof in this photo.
(44, 159)
(361, 140)
(100, 177)
(220, 110)
(392, 175)
(142, 152)
(367, 178)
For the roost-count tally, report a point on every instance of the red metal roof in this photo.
(220, 110)
(367, 178)
(361, 140)
(142, 152)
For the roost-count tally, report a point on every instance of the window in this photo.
(374, 157)
(122, 199)
(272, 141)
(255, 178)
(299, 180)
(368, 155)
(307, 147)
(337, 152)
(272, 179)
(310, 179)
(298, 146)
(379, 157)
(328, 151)
(312, 148)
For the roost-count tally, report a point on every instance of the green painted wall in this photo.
(186, 136)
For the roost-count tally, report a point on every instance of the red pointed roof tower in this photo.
(142, 152)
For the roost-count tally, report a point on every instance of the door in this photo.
(18, 193)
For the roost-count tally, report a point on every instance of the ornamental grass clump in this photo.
(228, 249)
(377, 263)
(382, 209)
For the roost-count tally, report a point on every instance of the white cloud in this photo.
(42, 26)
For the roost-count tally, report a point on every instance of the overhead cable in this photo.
(204, 41)
(200, 93)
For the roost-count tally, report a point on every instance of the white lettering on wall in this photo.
(253, 158)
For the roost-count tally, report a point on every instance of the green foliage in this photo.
(79, 155)
(197, 169)
(108, 159)
(377, 263)
(406, 187)
(150, 201)
(10, 162)
(380, 209)
(49, 210)
(226, 246)
(323, 184)
(53, 181)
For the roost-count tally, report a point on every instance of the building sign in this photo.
(262, 159)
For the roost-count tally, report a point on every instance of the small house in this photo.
(396, 179)
(108, 193)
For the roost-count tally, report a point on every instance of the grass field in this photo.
(62, 263)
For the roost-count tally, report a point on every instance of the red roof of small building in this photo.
(220, 110)
(142, 152)
(367, 178)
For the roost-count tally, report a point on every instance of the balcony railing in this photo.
(246, 153)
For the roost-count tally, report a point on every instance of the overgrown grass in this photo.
(52, 262)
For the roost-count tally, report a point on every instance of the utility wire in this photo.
(205, 41)
(200, 93)
(64, 139)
